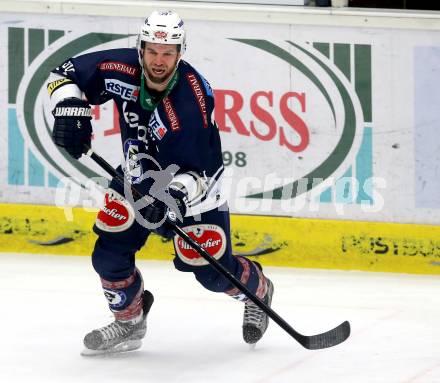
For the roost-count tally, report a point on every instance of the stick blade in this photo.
(327, 339)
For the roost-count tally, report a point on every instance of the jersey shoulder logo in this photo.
(65, 68)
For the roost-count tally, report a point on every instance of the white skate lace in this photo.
(115, 330)
(253, 314)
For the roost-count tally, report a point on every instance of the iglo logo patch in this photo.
(160, 35)
(115, 298)
(211, 238)
(116, 215)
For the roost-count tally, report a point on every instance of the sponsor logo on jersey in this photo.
(125, 91)
(133, 167)
(119, 67)
(198, 93)
(171, 114)
(162, 35)
(52, 86)
(157, 127)
(211, 238)
(116, 215)
(115, 298)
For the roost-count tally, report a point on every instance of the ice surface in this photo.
(48, 304)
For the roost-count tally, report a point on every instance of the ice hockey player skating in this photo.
(172, 151)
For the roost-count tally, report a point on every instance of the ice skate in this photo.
(119, 336)
(255, 320)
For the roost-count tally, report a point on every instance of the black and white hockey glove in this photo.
(174, 208)
(72, 127)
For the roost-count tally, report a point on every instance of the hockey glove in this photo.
(72, 128)
(175, 209)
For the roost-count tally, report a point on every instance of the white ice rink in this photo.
(48, 303)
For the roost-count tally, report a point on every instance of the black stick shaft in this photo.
(305, 341)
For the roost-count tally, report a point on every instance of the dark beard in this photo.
(160, 80)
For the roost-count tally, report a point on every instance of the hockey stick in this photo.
(313, 342)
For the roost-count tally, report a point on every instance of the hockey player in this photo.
(169, 134)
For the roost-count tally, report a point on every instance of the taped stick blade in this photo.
(327, 339)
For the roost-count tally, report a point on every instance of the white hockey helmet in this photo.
(163, 27)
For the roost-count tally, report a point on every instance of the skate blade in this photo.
(129, 345)
(252, 346)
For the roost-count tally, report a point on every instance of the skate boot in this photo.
(119, 336)
(255, 320)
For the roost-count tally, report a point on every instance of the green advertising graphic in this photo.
(32, 163)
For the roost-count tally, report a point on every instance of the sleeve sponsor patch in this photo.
(171, 114)
(200, 97)
(54, 85)
(116, 66)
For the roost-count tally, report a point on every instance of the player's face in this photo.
(159, 61)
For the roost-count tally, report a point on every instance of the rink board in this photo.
(306, 110)
(274, 241)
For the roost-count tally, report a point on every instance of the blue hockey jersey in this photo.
(178, 130)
